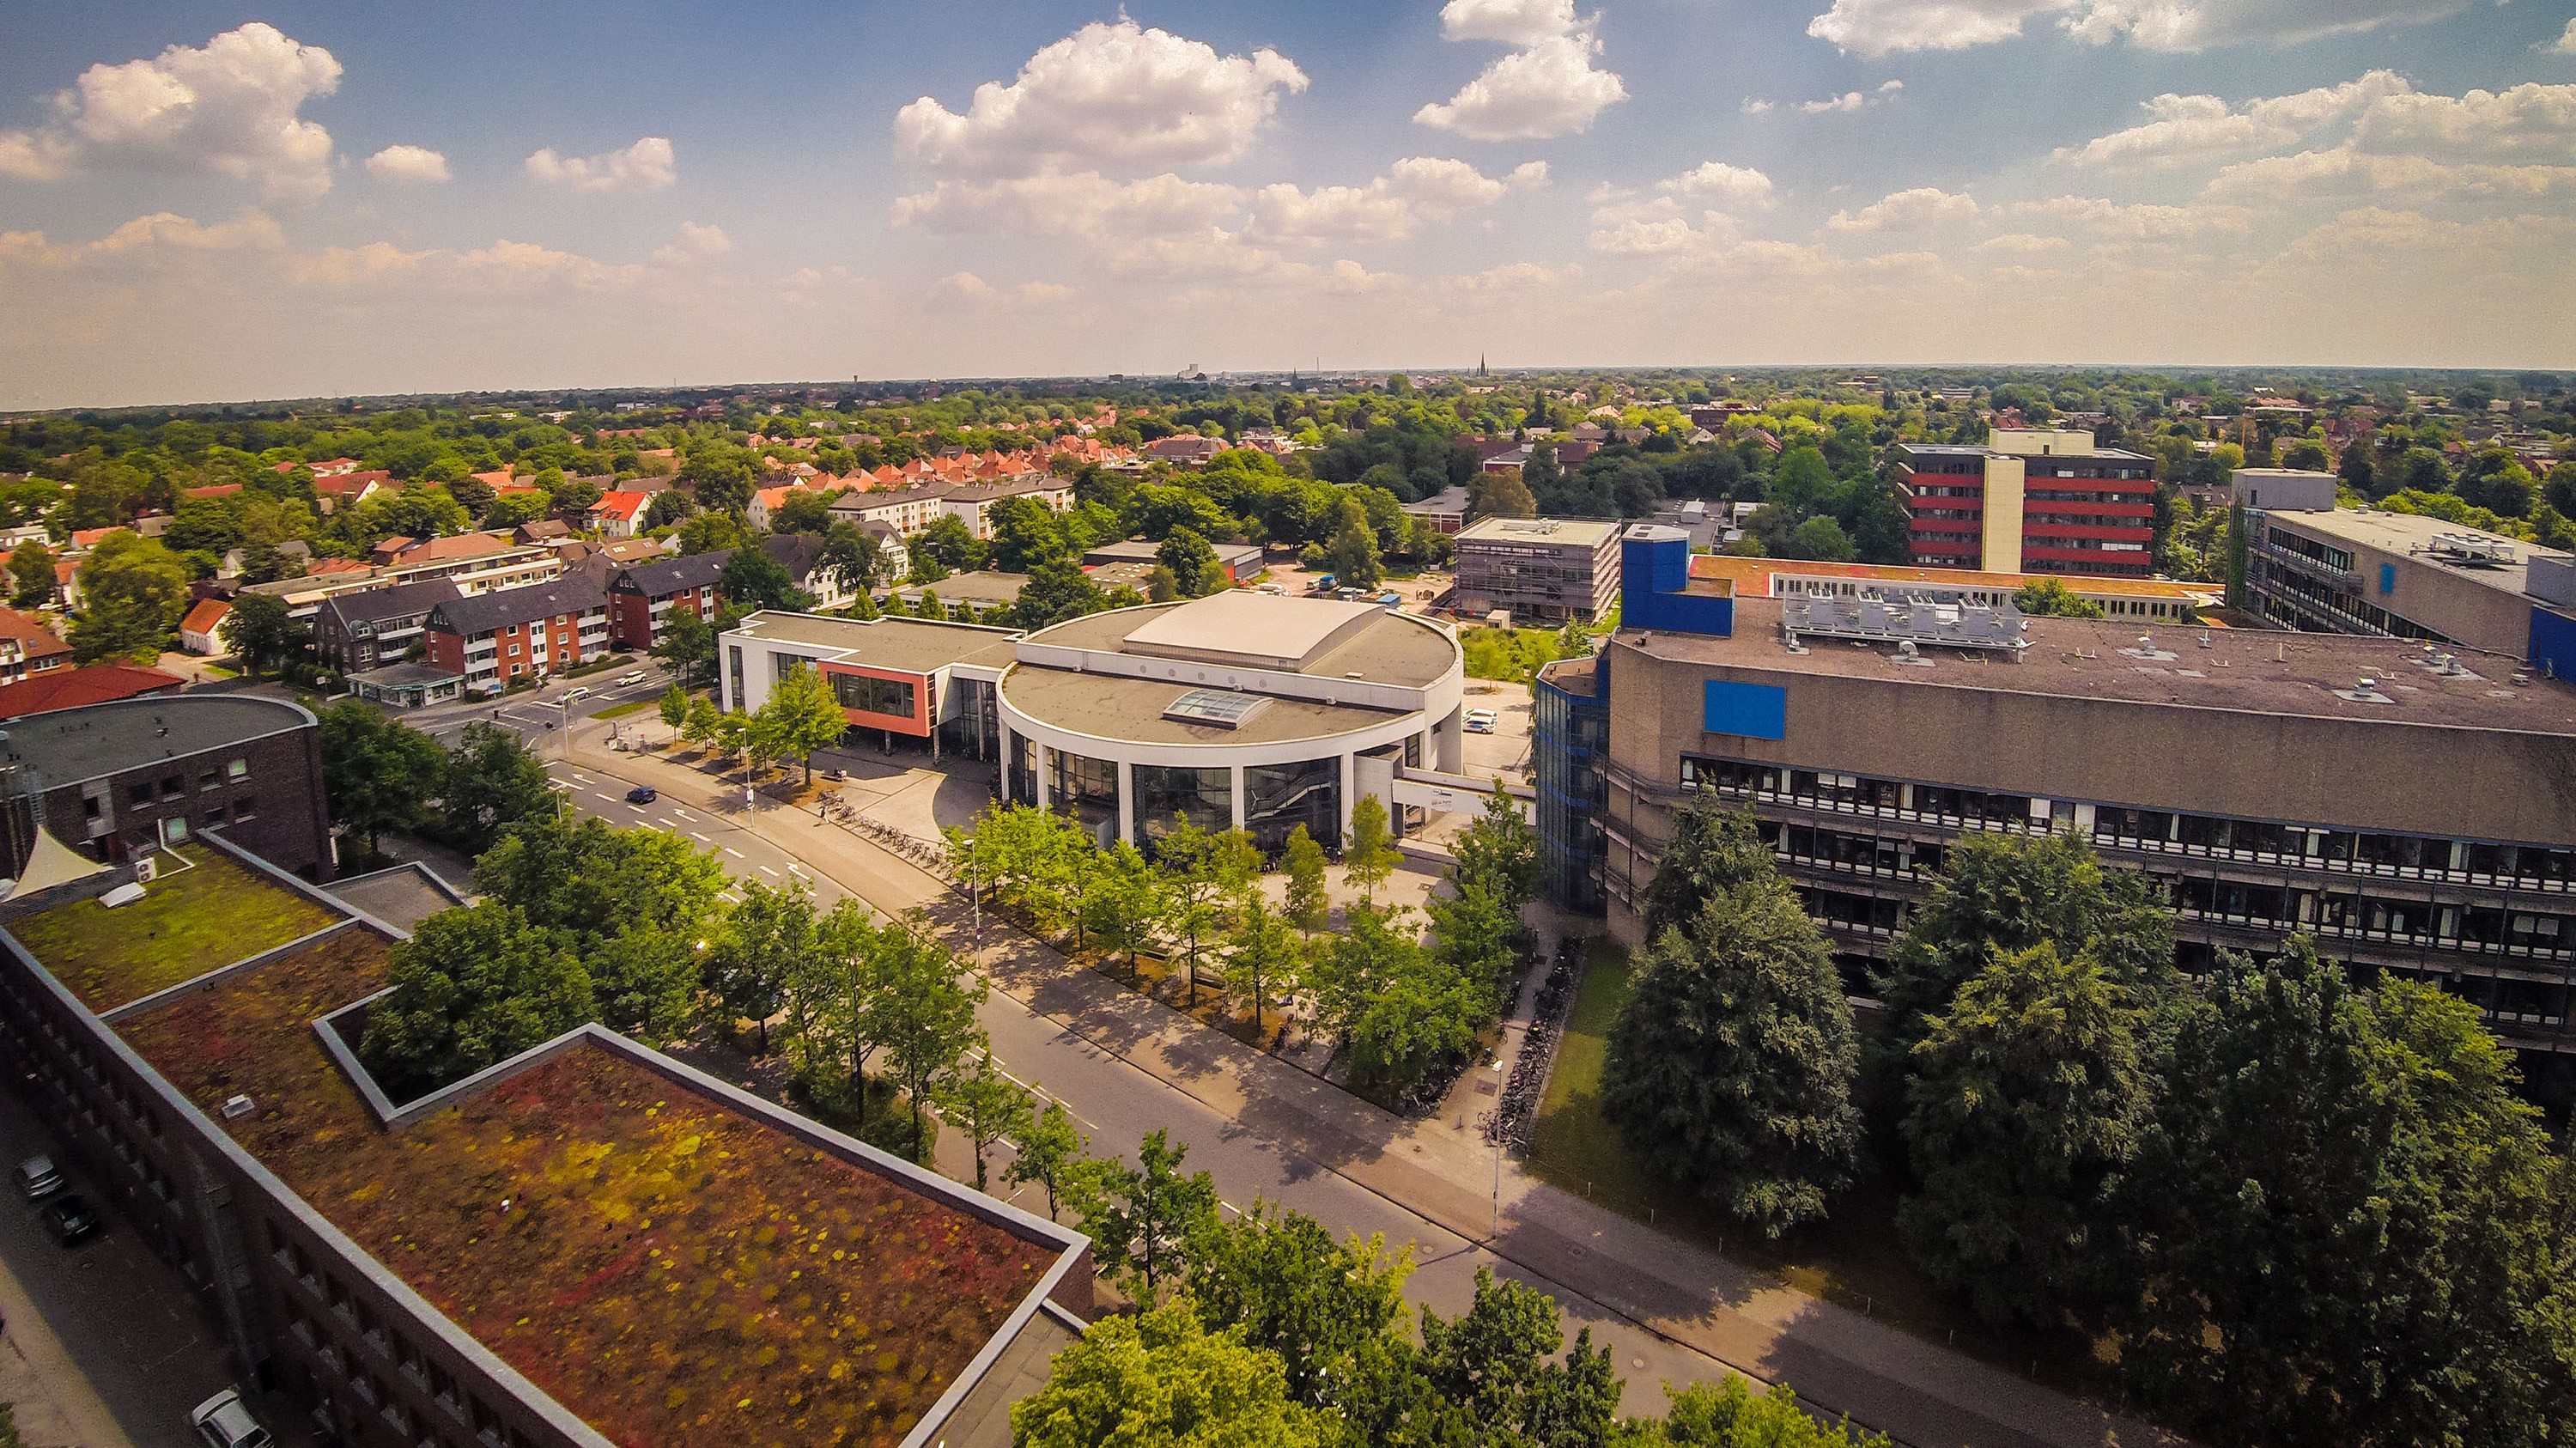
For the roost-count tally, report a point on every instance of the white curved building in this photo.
(1240, 708)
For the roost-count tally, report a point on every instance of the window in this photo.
(1279, 797)
(245, 808)
(1164, 796)
(209, 780)
(137, 794)
(892, 697)
(238, 769)
(1087, 790)
(173, 787)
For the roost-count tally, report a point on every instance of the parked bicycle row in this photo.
(1510, 1122)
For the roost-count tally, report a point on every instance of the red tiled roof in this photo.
(86, 537)
(34, 639)
(211, 490)
(338, 565)
(205, 617)
(72, 688)
(623, 506)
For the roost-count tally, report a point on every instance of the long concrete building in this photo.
(2412, 805)
(2399, 575)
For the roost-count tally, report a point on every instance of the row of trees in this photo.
(1264, 1331)
(2303, 1205)
(1400, 1006)
(380, 775)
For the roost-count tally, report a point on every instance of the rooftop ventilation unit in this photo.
(1898, 619)
(2469, 550)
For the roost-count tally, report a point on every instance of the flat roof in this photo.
(1760, 571)
(2254, 671)
(200, 912)
(984, 587)
(2407, 534)
(1145, 550)
(1383, 647)
(1564, 532)
(1131, 710)
(71, 745)
(1257, 630)
(914, 645)
(671, 1266)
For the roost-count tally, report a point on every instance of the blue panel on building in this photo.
(2388, 578)
(1755, 711)
(1654, 577)
(2553, 642)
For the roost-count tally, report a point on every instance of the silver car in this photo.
(38, 1177)
(225, 1422)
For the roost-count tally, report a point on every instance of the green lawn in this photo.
(632, 706)
(187, 923)
(1853, 1259)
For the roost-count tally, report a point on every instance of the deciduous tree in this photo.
(977, 1098)
(1160, 1380)
(378, 773)
(1308, 903)
(472, 986)
(1142, 1218)
(1050, 1155)
(1370, 858)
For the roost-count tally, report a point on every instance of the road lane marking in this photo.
(795, 869)
(612, 799)
(730, 850)
(701, 839)
(684, 814)
(773, 874)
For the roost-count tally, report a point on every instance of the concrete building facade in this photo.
(1542, 570)
(2398, 575)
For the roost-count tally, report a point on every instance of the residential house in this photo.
(27, 647)
(493, 639)
(766, 502)
(294, 548)
(890, 547)
(354, 632)
(201, 632)
(618, 515)
(972, 503)
(1185, 447)
(541, 532)
(348, 490)
(58, 689)
(640, 597)
(801, 554)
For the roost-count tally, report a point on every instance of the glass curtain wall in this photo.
(1023, 785)
(1277, 798)
(1205, 797)
(1087, 790)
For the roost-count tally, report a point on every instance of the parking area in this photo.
(1506, 751)
(105, 1346)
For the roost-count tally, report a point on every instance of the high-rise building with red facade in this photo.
(2031, 501)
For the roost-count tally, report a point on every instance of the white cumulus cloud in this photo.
(1720, 184)
(1513, 22)
(1111, 96)
(2566, 43)
(1415, 191)
(1918, 209)
(1881, 27)
(645, 166)
(2189, 129)
(407, 164)
(1551, 89)
(230, 107)
(1080, 204)
(2527, 120)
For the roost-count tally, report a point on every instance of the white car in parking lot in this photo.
(1481, 721)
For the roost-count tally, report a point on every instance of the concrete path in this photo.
(1696, 1311)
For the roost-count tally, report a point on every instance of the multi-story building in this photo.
(1241, 562)
(2031, 501)
(1546, 570)
(118, 781)
(511, 567)
(918, 680)
(2152, 600)
(2409, 805)
(909, 510)
(492, 639)
(354, 632)
(589, 1244)
(641, 597)
(2397, 575)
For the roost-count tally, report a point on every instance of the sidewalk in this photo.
(1443, 1172)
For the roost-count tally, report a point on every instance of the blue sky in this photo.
(197, 202)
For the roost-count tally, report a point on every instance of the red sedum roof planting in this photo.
(670, 1269)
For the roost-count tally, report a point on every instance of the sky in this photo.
(204, 203)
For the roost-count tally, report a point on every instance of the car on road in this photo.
(71, 1220)
(631, 679)
(642, 794)
(225, 1422)
(38, 1177)
(574, 695)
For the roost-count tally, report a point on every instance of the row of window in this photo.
(2339, 559)
(348, 1367)
(2163, 831)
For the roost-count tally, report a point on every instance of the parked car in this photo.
(1479, 726)
(630, 679)
(38, 1177)
(71, 1220)
(642, 794)
(225, 1422)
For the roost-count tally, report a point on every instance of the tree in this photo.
(851, 559)
(1141, 1218)
(1280, 1279)
(721, 479)
(922, 1015)
(510, 510)
(1728, 1415)
(675, 706)
(31, 575)
(1494, 1361)
(1999, 893)
(581, 876)
(1194, 565)
(492, 781)
(982, 1101)
(804, 715)
(757, 952)
(1501, 495)
(1370, 858)
(1308, 904)
(2026, 1102)
(665, 508)
(1398, 1011)
(1050, 1155)
(1197, 879)
(949, 542)
(1730, 1064)
(1715, 851)
(2051, 598)
(1126, 906)
(1499, 850)
(1160, 1380)
(1352, 556)
(686, 645)
(705, 724)
(262, 632)
(1057, 590)
(377, 773)
(714, 531)
(133, 592)
(1265, 953)
(472, 986)
(2348, 1229)
(1820, 538)
(753, 580)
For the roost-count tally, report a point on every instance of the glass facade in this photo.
(1087, 790)
(976, 726)
(1163, 796)
(1568, 732)
(895, 697)
(1022, 784)
(1277, 798)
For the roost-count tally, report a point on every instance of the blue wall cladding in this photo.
(2388, 578)
(1755, 711)
(1654, 578)
(2553, 642)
